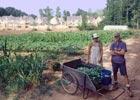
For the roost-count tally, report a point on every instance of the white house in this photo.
(74, 20)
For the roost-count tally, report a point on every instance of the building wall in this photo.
(41, 23)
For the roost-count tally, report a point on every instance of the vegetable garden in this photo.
(19, 71)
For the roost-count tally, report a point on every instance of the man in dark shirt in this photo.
(118, 49)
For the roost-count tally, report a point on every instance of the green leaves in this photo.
(57, 41)
(18, 71)
(93, 73)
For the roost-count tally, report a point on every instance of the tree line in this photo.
(14, 12)
(123, 12)
(48, 12)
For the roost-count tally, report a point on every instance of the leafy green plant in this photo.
(93, 73)
(55, 41)
(20, 72)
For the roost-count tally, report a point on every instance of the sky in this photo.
(33, 6)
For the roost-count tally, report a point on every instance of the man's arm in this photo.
(112, 51)
(101, 51)
(121, 52)
(89, 51)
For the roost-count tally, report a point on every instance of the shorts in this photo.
(121, 67)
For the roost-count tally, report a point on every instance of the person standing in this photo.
(118, 49)
(95, 51)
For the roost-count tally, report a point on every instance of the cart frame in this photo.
(82, 80)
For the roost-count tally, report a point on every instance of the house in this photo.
(29, 23)
(57, 21)
(77, 20)
(41, 21)
(61, 21)
(54, 21)
(74, 21)
(95, 21)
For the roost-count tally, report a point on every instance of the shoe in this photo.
(129, 92)
(113, 86)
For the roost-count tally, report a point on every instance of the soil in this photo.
(133, 67)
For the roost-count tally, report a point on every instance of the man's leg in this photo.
(126, 79)
(115, 71)
(115, 76)
(128, 86)
(123, 72)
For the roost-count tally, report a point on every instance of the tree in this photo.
(136, 13)
(47, 12)
(66, 14)
(84, 21)
(58, 13)
(41, 12)
(123, 12)
(11, 11)
(33, 16)
(14, 12)
(80, 12)
(2, 12)
(90, 13)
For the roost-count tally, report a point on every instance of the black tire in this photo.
(69, 83)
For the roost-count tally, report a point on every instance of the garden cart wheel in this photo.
(69, 83)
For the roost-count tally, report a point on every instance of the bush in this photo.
(91, 27)
(101, 25)
(87, 27)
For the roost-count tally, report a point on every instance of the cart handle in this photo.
(114, 98)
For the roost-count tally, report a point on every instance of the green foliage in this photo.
(65, 14)
(58, 13)
(11, 11)
(2, 12)
(20, 72)
(71, 50)
(122, 12)
(93, 73)
(47, 12)
(81, 12)
(57, 85)
(90, 13)
(86, 27)
(55, 42)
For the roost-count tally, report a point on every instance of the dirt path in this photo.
(133, 66)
